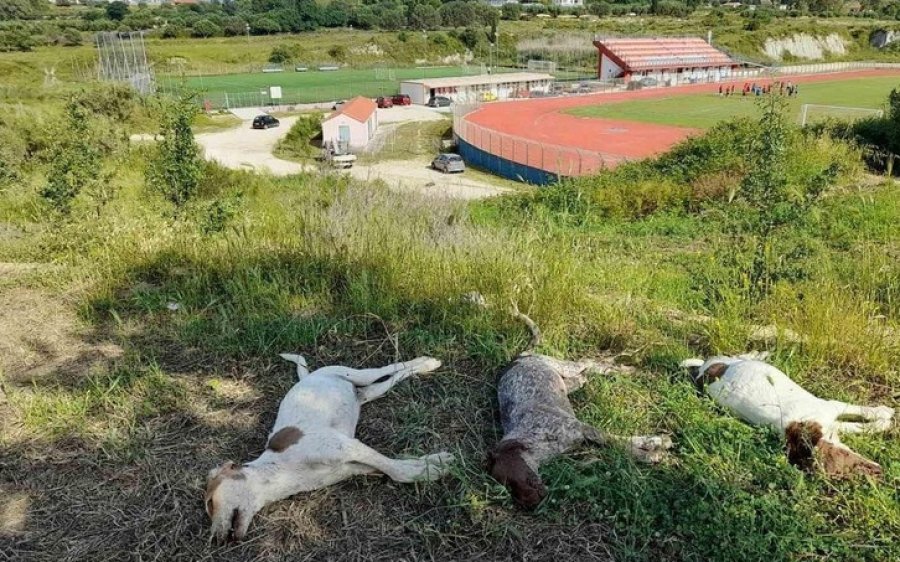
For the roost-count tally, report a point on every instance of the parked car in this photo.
(338, 104)
(439, 101)
(383, 102)
(265, 122)
(401, 99)
(449, 163)
(649, 82)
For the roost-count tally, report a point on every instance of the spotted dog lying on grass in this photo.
(539, 422)
(312, 445)
(761, 394)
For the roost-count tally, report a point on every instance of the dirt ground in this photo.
(141, 498)
(246, 149)
(417, 175)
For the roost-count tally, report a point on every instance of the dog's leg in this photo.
(365, 377)
(649, 449)
(429, 467)
(876, 419)
(875, 426)
(366, 394)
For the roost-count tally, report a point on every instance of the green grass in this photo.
(313, 85)
(347, 272)
(705, 110)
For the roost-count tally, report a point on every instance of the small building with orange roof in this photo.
(352, 126)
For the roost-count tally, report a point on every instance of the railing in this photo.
(508, 149)
(506, 154)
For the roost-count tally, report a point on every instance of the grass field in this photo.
(315, 85)
(705, 110)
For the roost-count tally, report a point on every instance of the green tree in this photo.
(22, 9)
(116, 11)
(205, 28)
(423, 17)
(75, 160)
(176, 169)
(768, 201)
(512, 12)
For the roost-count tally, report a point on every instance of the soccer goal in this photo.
(547, 66)
(813, 113)
(385, 73)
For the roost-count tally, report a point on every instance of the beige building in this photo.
(471, 89)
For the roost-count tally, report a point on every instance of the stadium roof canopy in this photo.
(659, 53)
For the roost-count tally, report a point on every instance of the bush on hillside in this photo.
(701, 172)
(176, 169)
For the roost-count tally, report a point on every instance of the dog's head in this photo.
(509, 468)
(230, 502)
(705, 372)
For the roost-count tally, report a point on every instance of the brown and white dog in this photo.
(312, 445)
(761, 394)
(539, 422)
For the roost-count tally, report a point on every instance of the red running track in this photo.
(537, 133)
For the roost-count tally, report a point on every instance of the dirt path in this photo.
(244, 148)
(416, 175)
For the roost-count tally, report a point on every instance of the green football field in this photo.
(705, 110)
(313, 85)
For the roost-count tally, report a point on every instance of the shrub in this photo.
(281, 53)
(205, 28)
(176, 169)
(74, 163)
(297, 142)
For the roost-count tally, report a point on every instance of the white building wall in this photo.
(609, 69)
(417, 92)
(360, 133)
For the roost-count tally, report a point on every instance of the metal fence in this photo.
(517, 158)
(523, 159)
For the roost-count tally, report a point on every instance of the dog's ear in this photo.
(801, 439)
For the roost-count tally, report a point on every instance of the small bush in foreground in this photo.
(176, 169)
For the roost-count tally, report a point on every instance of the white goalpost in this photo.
(811, 112)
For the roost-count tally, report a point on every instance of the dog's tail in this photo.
(532, 327)
(302, 367)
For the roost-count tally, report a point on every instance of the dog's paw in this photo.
(437, 465)
(884, 413)
(425, 364)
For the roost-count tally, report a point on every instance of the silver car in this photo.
(449, 163)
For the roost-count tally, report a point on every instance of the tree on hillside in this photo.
(457, 14)
(116, 11)
(21, 9)
(424, 16)
(511, 12)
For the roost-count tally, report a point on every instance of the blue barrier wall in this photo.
(503, 167)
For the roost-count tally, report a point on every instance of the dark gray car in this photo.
(449, 163)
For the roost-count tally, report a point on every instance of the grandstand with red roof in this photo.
(669, 60)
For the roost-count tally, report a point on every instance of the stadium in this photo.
(664, 90)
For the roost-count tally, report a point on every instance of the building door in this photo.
(344, 133)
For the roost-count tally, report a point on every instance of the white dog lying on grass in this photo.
(761, 394)
(312, 445)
